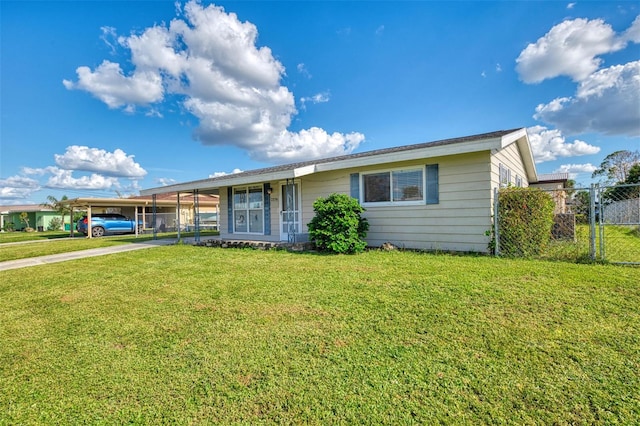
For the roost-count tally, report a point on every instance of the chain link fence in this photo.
(599, 223)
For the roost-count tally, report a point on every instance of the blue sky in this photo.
(106, 98)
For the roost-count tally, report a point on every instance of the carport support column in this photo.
(196, 212)
(153, 216)
(70, 222)
(178, 213)
(89, 221)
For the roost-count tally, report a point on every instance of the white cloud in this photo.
(63, 179)
(302, 69)
(575, 169)
(109, 84)
(571, 5)
(550, 144)
(607, 101)
(318, 98)
(210, 58)
(220, 174)
(570, 48)
(165, 181)
(116, 163)
(633, 32)
(498, 68)
(17, 187)
(309, 144)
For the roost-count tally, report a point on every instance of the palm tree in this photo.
(57, 205)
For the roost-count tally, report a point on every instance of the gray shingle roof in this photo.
(292, 166)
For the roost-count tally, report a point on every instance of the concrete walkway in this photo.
(63, 257)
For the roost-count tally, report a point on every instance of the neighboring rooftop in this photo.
(553, 177)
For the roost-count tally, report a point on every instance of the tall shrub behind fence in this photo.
(525, 220)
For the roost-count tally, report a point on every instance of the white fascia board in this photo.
(522, 139)
(303, 171)
(231, 180)
(413, 154)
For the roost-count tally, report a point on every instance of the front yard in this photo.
(185, 334)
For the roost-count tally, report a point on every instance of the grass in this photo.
(63, 245)
(188, 335)
(12, 237)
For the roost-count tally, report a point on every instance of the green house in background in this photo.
(39, 217)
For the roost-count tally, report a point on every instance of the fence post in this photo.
(496, 218)
(592, 221)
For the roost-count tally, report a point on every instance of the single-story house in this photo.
(39, 217)
(163, 212)
(433, 196)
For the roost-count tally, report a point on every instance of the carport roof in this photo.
(209, 201)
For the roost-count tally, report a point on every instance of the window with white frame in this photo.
(518, 181)
(505, 176)
(394, 186)
(248, 209)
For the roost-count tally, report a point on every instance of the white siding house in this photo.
(433, 196)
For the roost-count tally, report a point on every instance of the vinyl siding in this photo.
(457, 223)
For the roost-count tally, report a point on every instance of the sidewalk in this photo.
(63, 257)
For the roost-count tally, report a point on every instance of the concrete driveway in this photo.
(63, 257)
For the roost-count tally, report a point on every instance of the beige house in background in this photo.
(434, 196)
(555, 184)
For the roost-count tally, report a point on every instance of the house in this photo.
(432, 196)
(556, 185)
(163, 212)
(39, 217)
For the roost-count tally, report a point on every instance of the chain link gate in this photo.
(597, 223)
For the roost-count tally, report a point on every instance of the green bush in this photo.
(55, 224)
(338, 226)
(525, 221)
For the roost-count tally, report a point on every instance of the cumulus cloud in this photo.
(18, 187)
(116, 163)
(63, 179)
(550, 144)
(570, 48)
(109, 84)
(165, 181)
(220, 174)
(209, 58)
(607, 101)
(575, 169)
(80, 168)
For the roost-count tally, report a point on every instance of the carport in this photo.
(137, 208)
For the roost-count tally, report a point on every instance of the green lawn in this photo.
(186, 335)
(34, 248)
(11, 237)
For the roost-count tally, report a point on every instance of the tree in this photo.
(24, 216)
(58, 205)
(626, 189)
(617, 165)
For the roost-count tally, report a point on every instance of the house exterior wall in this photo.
(458, 222)
(510, 158)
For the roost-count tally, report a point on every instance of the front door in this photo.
(289, 211)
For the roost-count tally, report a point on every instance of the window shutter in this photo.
(267, 209)
(230, 210)
(433, 196)
(355, 186)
